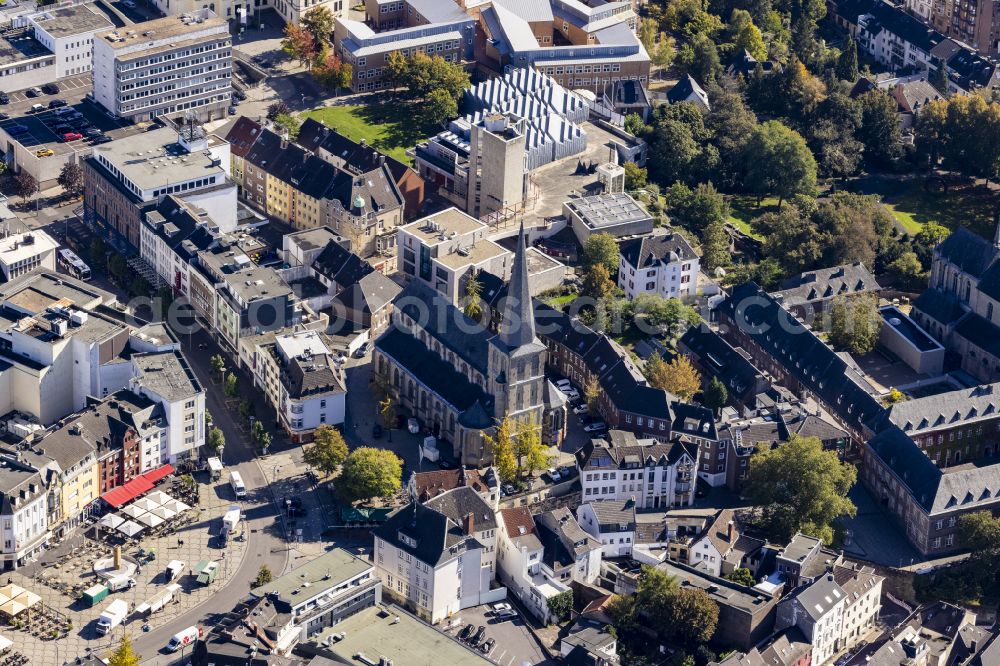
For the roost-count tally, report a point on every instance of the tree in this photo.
(855, 323)
(216, 440)
(264, 576)
(742, 576)
(635, 176)
(98, 253)
(909, 271)
(24, 185)
(747, 36)
(635, 125)
(980, 532)
(783, 165)
(218, 364)
(697, 208)
(694, 615)
(290, 124)
(117, 266)
(560, 605)
(423, 73)
(597, 284)
(124, 654)
(799, 487)
(387, 412)
(276, 109)
(328, 450)
(665, 316)
(847, 61)
(715, 246)
(663, 55)
(209, 419)
(501, 446)
(264, 442)
(895, 396)
(647, 34)
(879, 130)
(71, 179)
(319, 22)
(677, 377)
(329, 71)
(232, 386)
(715, 396)
(592, 394)
(256, 432)
(601, 249)
(700, 58)
(368, 472)
(529, 451)
(439, 106)
(473, 300)
(299, 44)
(395, 69)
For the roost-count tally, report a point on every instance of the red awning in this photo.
(158, 473)
(127, 492)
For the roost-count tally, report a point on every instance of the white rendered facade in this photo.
(669, 279)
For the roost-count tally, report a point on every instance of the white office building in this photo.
(168, 65)
(68, 32)
(166, 379)
(26, 252)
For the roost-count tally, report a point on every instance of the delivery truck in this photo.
(230, 521)
(206, 571)
(174, 569)
(112, 616)
(158, 601)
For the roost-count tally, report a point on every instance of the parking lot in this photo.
(44, 129)
(513, 643)
(72, 88)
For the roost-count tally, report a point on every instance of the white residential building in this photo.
(171, 235)
(446, 248)
(662, 264)
(301, 378)
(721, 548)
(570, 553)
(167, 379)
(610, 522)
(656, 475)
(195, 50)
(520, 562)
(438, 558)
(68, 32)
(23, 513)
(835, 612)
(26, 252)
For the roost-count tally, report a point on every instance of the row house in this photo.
(23, 513)
(657, 475)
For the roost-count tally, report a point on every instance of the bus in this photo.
(74, 265)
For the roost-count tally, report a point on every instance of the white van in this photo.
(112, 616)
(183, 638)
(236, 481)
(119, 583)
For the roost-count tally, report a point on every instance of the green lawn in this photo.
(390, 127)
(743, 210)
(971, 206)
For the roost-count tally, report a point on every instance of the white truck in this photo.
(120, 583)
(229, 523)
(158, 601)
(236, 481)
(112, 616)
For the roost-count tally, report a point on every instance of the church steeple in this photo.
(518, 325)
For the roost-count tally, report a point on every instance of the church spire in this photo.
(518, 325)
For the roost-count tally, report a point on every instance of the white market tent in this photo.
(130, 529)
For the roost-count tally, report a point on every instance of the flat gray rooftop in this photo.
(606, 210)
(168, 374)
(72, 20)
(155, 159)
(322, 573)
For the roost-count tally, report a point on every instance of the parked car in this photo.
(35, 108)
(71, 136)
(4, 98)
(508, 489)
(595, 426)
(505, 615)
(467, 632)
(554, 474)
(362, 351)
(582, 408)
(102, 139)
(488, 645)
(572, 395)
(33, 92)
(413, 426)
(62, 128)
(567, 471)
(564, 384)
(50, 89)
(232, 110)
(478, 638)
(129, 3)
(14, 130)
(376, 431)
(93, 131)
(500, 606)
(45, 152)
(56, 103)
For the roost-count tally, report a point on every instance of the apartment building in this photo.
(570, 554)
(409, 27)
(520, 563)
(164, 66)
(69, 33)
(662, 264)
(127, 178)
(302, 379)
(835, 612)
(437, 558)
(447, 249)
(73, 460)
(612, 523)
(167, 379)
(23, 513)
(896, 39)
(171, 235)
(657, 475)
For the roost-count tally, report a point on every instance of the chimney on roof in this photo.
(731, 531)
(468, 524)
